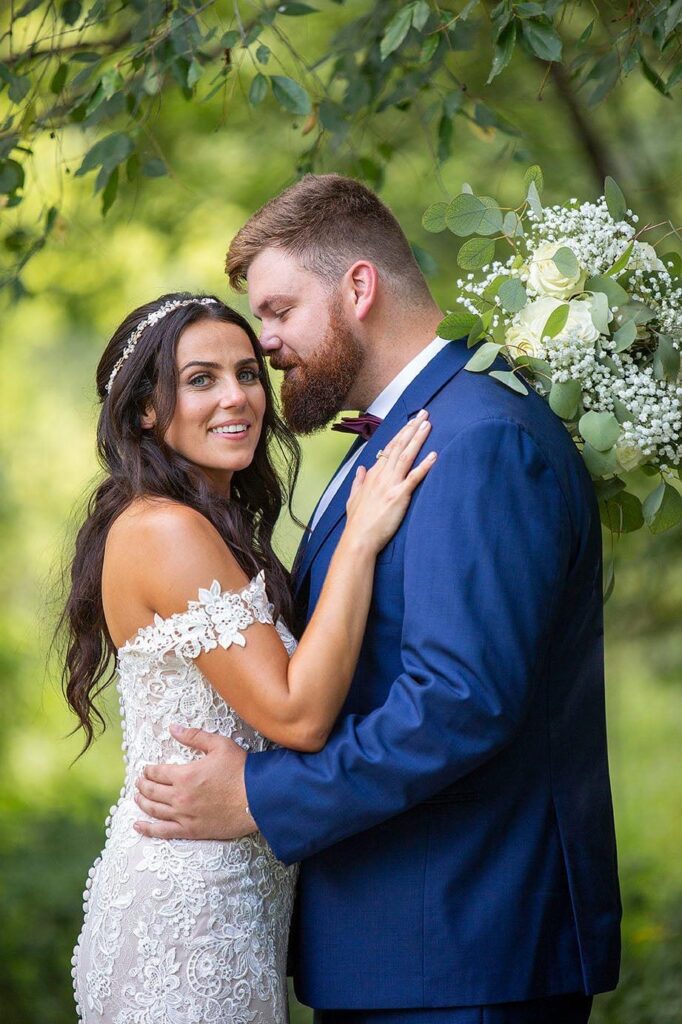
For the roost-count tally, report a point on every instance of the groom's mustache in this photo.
(280, 364)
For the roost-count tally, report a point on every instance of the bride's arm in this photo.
(294, 702)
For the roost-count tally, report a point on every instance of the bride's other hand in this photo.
(380, 496)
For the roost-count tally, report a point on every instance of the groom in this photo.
(456, 832)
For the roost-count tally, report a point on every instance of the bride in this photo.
(175, 577)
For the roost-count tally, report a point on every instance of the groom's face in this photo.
(308, 334)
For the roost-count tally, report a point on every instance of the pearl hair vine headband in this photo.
(153, 318)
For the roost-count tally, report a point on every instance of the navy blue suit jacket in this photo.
(456, 832)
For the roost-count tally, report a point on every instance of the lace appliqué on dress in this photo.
(183, 931)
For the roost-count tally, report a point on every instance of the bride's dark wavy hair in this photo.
(137, 462)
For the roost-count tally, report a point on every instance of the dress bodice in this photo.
(160, 684)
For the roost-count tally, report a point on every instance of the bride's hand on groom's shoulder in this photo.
(381, 495)
(205, 799)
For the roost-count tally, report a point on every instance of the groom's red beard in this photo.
(314, 391)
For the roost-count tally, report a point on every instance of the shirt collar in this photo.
(384, 402)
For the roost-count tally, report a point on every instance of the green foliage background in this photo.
(172, 232)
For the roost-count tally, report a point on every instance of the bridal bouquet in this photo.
(590, 315)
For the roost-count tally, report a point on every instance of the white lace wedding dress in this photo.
(183, 931)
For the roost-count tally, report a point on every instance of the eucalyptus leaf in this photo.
(565, 261)
(456, 324)
(600, 429)
(542, 40)
(564, 398)
(534, 174)
(512, 295)
(622, 261)
(556, 321)
(663, 508)
(621, 411)
(614, 292)
(615, 200)
(434, 217)
(625, 335)
(464, 214)
(491, 221)
(666, 359)
(673, 262)
(510, 380)
(599, 311)
(483, 357)
(635, 311)
(512, 225)
(622, 513)
(598, 463)
(476, 253)
(533, 197)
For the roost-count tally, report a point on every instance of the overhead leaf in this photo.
(290, 95)
(542, 40)
(464, 214)
(600, 429)
(483, 357)
(476, 253)
(653, 76)
(663, 508)
(154, 168)
(510, 380)
(258, 89)
(564, 398)
(11, 176)
(512, 295)
(502, 50)
(615, 200)
(420, 14)
(456, 324)
(110, 192)
(295, 10)
(396, 30)
(108, 152)
(434, 217)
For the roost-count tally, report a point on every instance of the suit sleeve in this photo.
(486, 553)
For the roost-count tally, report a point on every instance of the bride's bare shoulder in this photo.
(150, 521)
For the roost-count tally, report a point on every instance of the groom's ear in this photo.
(362, 281)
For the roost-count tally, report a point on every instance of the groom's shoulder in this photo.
(475, 402)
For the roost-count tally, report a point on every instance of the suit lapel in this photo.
(433, 377)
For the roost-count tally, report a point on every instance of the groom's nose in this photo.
(268, 340)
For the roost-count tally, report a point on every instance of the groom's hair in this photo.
(328, 222)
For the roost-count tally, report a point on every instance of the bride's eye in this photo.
(248, 375)
(199, 380)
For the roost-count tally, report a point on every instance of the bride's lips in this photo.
(220, 430)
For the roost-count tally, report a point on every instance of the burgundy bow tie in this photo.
(364, 425)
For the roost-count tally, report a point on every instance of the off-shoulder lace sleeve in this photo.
(219, 617)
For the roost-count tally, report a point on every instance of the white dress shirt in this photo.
(381, 406)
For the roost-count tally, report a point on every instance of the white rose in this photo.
(545, 278)
(525, 333)
(644, 257)
(629, 457)
(580, 325)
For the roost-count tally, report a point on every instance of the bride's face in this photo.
(220, 402)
